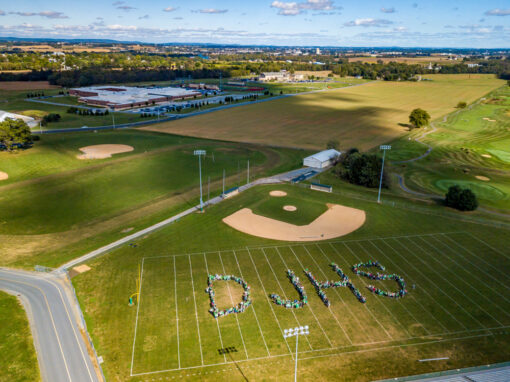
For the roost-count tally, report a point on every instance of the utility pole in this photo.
(208, 187)
(383, 148)
(223, 181)
(248, 173)
(113, 117)
(199, 153)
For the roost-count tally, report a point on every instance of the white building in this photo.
(31, 122)
(321, 159)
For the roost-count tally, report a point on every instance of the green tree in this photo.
(14, 133)
(461, 105)
(461, 199)
(419, 118)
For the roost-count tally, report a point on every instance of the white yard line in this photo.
(252, 307)
(177, 317)
(196, 311)
(284, 295)
(421, 305)
(217, 323)
(136, 320)
(232, 301)
(269, 302)
(309, 307)
(488, 245)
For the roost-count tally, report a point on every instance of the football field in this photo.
(457, 290)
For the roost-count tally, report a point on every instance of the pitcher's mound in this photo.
(290, 208)
(278, 193)
(4, 175)
(103, 151)
(481, 177)
(335, 222)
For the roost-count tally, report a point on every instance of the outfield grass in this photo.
(19, 362)
(459, 308)
(362, 116)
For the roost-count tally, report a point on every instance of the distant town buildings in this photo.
(281, 76)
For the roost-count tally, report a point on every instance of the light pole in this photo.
(384, 148)
(296, 332)
(113, 117)
(199, 153)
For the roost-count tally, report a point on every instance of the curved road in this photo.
(61, 350)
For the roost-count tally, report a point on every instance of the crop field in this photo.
(471, 148)
(457, 306)
(362, 116)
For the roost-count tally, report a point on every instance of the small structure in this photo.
(31, 122)
(321, 187)
(322, 159)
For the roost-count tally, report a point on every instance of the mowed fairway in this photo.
(459, 307)
(362, 116)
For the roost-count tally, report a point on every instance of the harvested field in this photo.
(26, 85)
(363, 116)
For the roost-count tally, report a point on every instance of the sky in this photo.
(412, 23)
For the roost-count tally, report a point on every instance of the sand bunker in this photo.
(81, 268)
(481, 177)
(488, 119)
(278, 193)
(103, 151)
(290, 208)
(487, 156)
(4, 175)
(336, 221)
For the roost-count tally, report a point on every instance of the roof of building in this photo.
(6, 115)
(325, 155)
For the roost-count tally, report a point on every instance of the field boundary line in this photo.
(136, 320)
(177, 317)
(487, 245)
(196, 311)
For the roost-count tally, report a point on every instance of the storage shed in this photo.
(321, 159)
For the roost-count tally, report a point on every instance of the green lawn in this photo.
(19, 362)
(458, 309)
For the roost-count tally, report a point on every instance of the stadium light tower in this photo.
(199, 153)
(296, 332)
(384, 148)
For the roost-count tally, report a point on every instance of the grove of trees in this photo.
(361, 169)
(14, 134)
(461, 199)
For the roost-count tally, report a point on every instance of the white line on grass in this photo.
(177, 316)
(309, 307)
(284, 295)
(365, 305)
(448, 281)
(196, 311)
(139, 300)
(232, 300)
(252, 307)
(421, 305)
(217, 323)
(269, 302)
(486, 244)
(428, 280)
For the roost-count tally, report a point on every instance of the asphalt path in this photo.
(61, 350)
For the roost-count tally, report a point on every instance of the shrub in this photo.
(461, 105)
(419, 118)
(461, 199)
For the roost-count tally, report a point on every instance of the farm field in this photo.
(470, 149)
(458, 307)
(108, 196)
(16, 344)
(362, 116)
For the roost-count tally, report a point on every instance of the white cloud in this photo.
(368, 23)
(211, 11)
(170, 9)
(126, 8)
(145, 17)
(388, 10)
(47, 14)
(295, 8)
(498, 12)
(400, 29)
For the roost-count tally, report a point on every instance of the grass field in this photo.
(19, 362)
(459, 308)
(472, 142)
(362, 116)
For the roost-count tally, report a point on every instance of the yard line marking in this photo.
(378, 300)
(270, 305)
(177, 316)
(217, 323)
(336, 290)
(196, 311)
(482, 260)
(428, 280)
(494, 290)
(399, 301)
(365, 305)
(461, 279)
(232, 300)
(407, 274)
(253, 308)
(488, 245)
(320, 269)
(136, 320)
(309, 307)
(428, 266)
(284, 296)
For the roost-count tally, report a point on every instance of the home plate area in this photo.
(208, 309)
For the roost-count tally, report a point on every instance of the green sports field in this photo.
(457, 309)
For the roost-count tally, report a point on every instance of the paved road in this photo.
(61, 350)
